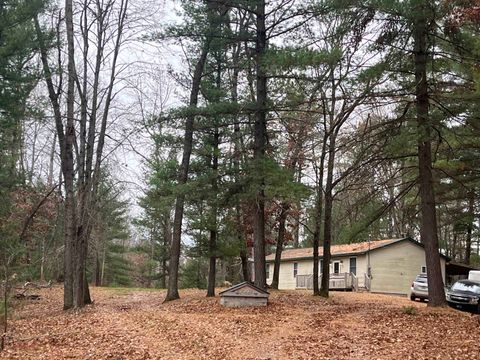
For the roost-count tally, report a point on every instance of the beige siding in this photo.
(361, 269)
(395, 267)
(286, 279)
(305, 267)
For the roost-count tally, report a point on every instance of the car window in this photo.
(466, 287)
(421, 279)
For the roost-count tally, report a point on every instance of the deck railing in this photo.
(354, 282)
(368, 282)
(302, 281)
(340, 281)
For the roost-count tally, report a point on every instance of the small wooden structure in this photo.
(244, 294)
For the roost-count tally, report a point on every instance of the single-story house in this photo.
(383, 266)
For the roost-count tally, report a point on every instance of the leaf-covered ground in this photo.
(134, 324)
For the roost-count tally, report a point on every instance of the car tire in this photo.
(412, 297)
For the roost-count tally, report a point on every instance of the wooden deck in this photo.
(341, 281)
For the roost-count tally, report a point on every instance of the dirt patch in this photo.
(135, 324)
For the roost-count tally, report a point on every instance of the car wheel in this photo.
(412, 297)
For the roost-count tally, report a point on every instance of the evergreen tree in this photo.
(110, 241)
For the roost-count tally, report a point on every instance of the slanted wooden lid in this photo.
(245, 289)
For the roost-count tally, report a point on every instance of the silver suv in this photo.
(419, 289)
(465, 295)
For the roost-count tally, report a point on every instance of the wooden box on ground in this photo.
(244, 294)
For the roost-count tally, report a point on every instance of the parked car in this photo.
(419, 289)
(465, 295)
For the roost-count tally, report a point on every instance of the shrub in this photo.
(409, 310)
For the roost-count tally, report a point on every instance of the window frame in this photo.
(350, 265)
(336, 262)
(295, 269)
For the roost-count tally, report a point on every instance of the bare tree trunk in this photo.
(102, 273)
(66, 153)
(71, 284)
(212, 246)
(471, 214)
(86, 289)
(5, 305)
(237, 138)
(42, 261)
(66, 140)
(259, 150)
(163, 279)
(318, 220)
(167, 238)
(280, 239)
(89, 184)
(151, 266)
(172, 292)
(454, 246)
(51, 162)
(79, 278)
(327, 224)
(97, 268)
(212, 263)
(69, 239)
(296, 234)
(33, 156)
(245, 269)
(428, 225)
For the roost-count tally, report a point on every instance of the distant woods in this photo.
(273, 125)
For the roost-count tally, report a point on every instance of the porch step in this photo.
(362, 289)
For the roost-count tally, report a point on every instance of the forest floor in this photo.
(134, 324)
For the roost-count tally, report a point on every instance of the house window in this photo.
(424, 270)
(295, 269)
(268, 271)
(353, 266)
(336, 267)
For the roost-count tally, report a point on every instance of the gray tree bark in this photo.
(428, 225)
(212, 245)
(327, 227)
(172, 292)
(70, 257)
(280, 240)
(318, 218)
(471, 220)
(259, 150)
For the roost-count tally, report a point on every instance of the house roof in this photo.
(455, 268)
(339, 250)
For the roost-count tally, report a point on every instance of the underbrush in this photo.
(409, 310)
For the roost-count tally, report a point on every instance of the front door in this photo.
(336, 267)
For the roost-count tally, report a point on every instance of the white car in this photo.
(419, 289)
